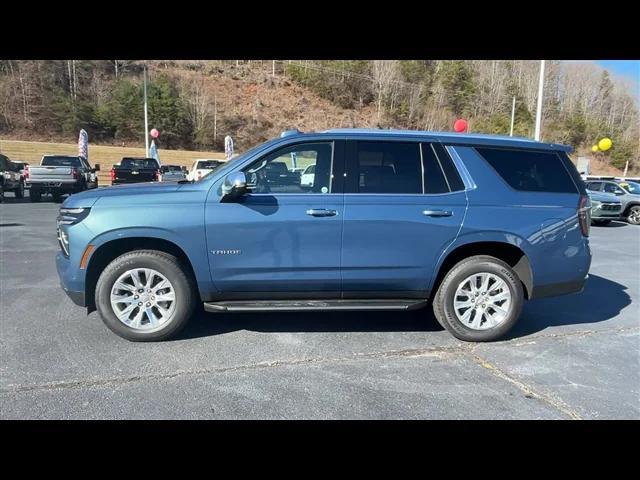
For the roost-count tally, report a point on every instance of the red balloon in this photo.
(460, 125)
(155, 133)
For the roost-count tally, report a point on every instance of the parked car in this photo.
(306, 179)
(395, 220)
(135, 170)
(171, 173)
(626, 191)
(59, 175)
(604, 208)
(10, 178)
(202, 167)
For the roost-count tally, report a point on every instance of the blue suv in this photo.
(388, 220)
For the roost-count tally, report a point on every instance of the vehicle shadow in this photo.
(206, 324)
(613, 224)
(601, 300)
(10, 199)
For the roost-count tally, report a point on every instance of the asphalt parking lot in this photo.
(572, 357)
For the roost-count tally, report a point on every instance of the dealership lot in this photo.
(576, 356)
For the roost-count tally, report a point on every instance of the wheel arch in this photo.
(511, 254)
(111, 249)
(629, 206)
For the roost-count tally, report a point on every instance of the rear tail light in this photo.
(74, 172)
(113, 174)
(26, 172)
(584, 214)
(157, 175)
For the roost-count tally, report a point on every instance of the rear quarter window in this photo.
(530, 170)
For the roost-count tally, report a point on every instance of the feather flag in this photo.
(228, 147)
(153, 152)
(83, 144)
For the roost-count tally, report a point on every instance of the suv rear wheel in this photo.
(479, 299)
(145, 295)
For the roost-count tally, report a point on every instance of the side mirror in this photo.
(234, 186)
(96, 167)
(619, 192)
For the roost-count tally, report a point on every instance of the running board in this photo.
(310, 305)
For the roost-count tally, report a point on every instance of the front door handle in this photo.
(437, 213)
(321, 212)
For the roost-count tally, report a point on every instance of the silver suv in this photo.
(627, 192)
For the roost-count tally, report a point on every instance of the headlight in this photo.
(71, 216)
(63, 240)
(68, 217)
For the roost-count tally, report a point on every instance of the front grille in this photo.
(612, 207)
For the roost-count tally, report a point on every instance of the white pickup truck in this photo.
(202, 167)
(60, 174)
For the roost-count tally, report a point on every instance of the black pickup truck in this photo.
(135, 170)
(10, 178)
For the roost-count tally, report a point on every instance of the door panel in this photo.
(390, 244)
(391, 241)
(276, 241)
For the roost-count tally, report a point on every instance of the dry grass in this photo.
(106, 156)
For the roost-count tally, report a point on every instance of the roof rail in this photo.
(288, 133)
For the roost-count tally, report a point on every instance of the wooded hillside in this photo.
(195, 104)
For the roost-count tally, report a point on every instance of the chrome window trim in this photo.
(467, 179)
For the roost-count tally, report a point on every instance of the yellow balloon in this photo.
(605, 144)
(595, 148)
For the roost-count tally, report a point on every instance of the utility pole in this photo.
(146, 120)
(513, 114)
(273, 68)
(215, 118)
(539, 109)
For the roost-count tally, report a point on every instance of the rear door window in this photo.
(530, 170)
(434, 180)
(594, 186)
(385, 167)
(453, 177)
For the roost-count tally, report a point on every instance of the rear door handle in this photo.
(321, 212)
(437, 213)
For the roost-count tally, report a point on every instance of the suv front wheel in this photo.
(145, 295)
(634, 215)
(479, 299)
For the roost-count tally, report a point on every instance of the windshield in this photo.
(60, 162)
(631, 187)
(208, 164)
(138, 163)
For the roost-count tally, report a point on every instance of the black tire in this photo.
(167, 265)
(19, 192)
(35, 195)
(444, 297)
(601, 223)
(633, 215)
(57, 196)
